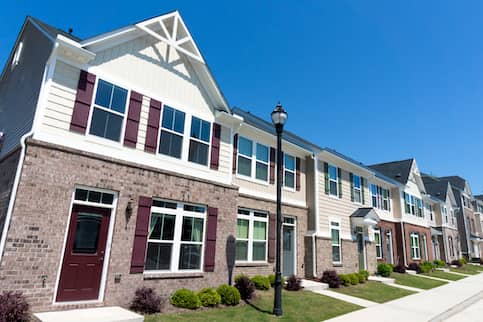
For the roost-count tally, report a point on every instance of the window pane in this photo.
(205, 131)
(244, 166)
(107, 198)
(335, 254)
(170, 144)
(245, 146)
(87, 233)
(357, 196)
(192, 229)
(190, 257)
(94, 196)
(113, 128)
(259, 251)
(260, 214)
(357, 181)
(241, 250)
(289, 162)
(332, 172)
(119, 96)
(179, 121)
(106, 125)
(194, 208)
(262, 171)
(335, 236)
(333, 188)
(262, 153)
(80, 194)
(162, 227)
(242, 228)
(198, 152)
(195, 127)
(259, 230)
(289, 180)
(164, 204)
(158, 256)
(377, 238)
(168, 116)
(103, 94)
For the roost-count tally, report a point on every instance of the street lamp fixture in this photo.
(279, 117)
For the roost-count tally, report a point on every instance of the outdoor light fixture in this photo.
(279, 117)
(129, 210)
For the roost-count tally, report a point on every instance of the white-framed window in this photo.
(108, 112)
(336, 242)
(357, 188)
(445, 214)
(453, 217)
(380, 197)
(419, 204)
(374, 198)
(289, 171)
(251, 236)
(17, 55)
(172, 132)
(378, 242)
(450, 245)
(88, 196)
(415, 249)
(175, 237)
(333, 181)
(199, 141)
(386, 199)
(253, 159)
(429, 207)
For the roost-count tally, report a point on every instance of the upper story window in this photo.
(413, 205)
(333, 181)
(17, 55)
(245, 151)
(199, 141)
(380, 197)
(253, 159)
(357, 188)
(109, 111)
(261, 167)
(289, 171)
(419, 204)
(429, 207)
(251, 236)
(444, 210)
(473, 228)
(453, 217)
(172, 131)
(479, 208)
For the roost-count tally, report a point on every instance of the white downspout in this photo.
(403, 211)
(316, 215)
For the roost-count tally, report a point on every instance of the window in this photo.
(335, 236)
(450, 244)
(473, 225)
(374, 195)
(413, 205)
(429, 207)
(172, 130)
(356, 182)
(175, 237)
(386, 203)
(452, 217)
(93, 196)
(415, 250)
(200, 141)
(407, 203)
(289, 171)
(251, 236)
(108, 112)
(419, 203)
(17, 55)
(333, 181)
(445, 214)
(377, 241)
(249, 151)
(380, 197)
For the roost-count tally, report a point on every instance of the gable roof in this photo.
(455, 181)
(52, 31)
(397, 170)
(435, 187)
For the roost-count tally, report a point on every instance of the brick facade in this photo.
(422, 231)
(8, 170)
(36, 236)
(386, 226)
(444, 247)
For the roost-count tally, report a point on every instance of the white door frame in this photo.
(294, 225)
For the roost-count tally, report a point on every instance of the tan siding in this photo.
(225, 151)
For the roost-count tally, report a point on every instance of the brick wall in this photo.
(408, 229)
(8, 168)
(389, 226)
(350, 257)
(40, 218)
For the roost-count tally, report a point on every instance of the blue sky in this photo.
(376, 80)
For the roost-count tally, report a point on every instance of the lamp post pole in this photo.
(279, 116)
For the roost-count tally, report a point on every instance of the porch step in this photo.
(100, 314)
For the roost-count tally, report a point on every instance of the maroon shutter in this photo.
(141, 235)
(235, 151)
(210, 248)
(215, 147)
(272, 233)
(133, 116)
(272, 165)
(153, 126)
(297, 174)
(83, 100)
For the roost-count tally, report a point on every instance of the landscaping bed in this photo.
(444, 275)
(297, 306)
(416, 281)
(374, 291)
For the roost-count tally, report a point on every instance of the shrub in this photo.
(365, 273)
(354, 279)
(415, 267)
(186, 299)
(344, 279)
(330, 277)
(399, 269)
(362, 277)
(261, 282)
(293, 283)
(146, 301)
(456, 263)
(463, 261)
(13, 307)
(271, 278)
(426, 267)
(245, 286)
(439, 263)
(229, 295)
(209, 297)
(384, 269)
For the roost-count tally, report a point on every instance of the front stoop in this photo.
(101, 314)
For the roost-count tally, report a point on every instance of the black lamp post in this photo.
(279, 117)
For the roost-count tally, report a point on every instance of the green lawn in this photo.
(374, 291)
(467, 269)
(416, 281)
(297, 306)
(444, 275)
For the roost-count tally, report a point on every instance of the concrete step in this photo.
(100, 314)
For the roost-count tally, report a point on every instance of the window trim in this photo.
(332, 180)
(179, 214)
(251, 219)
(285, 169)
(210, 133)
(332, 226)
(415, 237)
(356, 190)
(378, 232)
(253, 161)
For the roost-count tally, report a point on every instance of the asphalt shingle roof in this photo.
(455, 181)
(397, 170)
(435, 187)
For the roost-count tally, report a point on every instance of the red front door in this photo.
(80, 277)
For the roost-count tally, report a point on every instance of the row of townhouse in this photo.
(122, 165)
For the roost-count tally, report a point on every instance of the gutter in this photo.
(316, 216)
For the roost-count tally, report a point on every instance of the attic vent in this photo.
(2, 139)
(17, 55)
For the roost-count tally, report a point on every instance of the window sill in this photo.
(253, 180)
(289, 189)
(252, 264)
(337, 265)
(159, 276)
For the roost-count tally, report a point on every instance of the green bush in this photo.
(345, 279)
(209, 297)
(362, 277)
(271, 278)
(186, 299)
(261, 282)
(354, 278)
(365, 273)
(426, 267)
(229, 295)
(463, 261)
(384, 269)
(439, 263)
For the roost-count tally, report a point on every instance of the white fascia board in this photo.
(72, 51)
(229, 120)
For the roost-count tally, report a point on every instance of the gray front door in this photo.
(288, 247)
(360, 250)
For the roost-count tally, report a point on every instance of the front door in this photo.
(361, 250)
(80, 277)
(288, 246)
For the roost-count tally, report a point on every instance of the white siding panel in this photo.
(143, 124)
(225, 151)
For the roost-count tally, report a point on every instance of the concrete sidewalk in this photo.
(433, 305)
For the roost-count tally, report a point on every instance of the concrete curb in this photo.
(457, 308)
